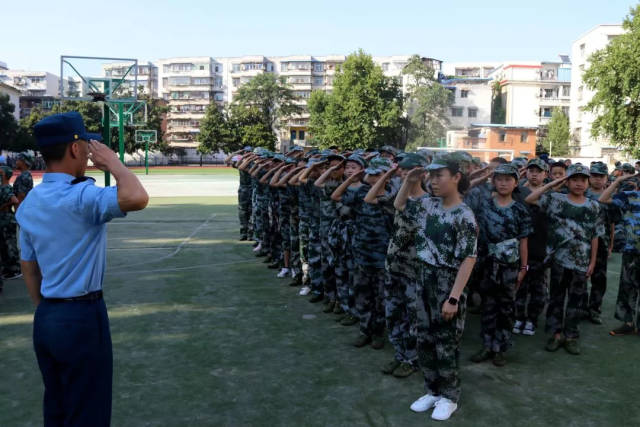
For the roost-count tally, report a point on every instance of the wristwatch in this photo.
(525, 267)
(453, 301)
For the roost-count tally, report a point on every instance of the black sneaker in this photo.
(296, 282)
(242, 239)
(361, 341)
(624, 329)
(390, 367)
(594, 317)
(404, 370)
(377, 343)
(329, 307)
(499, 359)
(572, 347)
(349, 320)
(482, 355)
(274, 266)
(554, 343)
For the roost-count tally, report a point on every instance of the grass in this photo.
(178, 170)
(205, 335)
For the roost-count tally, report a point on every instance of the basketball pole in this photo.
(146, 157)
(106, 137)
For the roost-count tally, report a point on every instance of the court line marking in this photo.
(178, 248)
(191, 267)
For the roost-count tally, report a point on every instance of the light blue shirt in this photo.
(63, 228)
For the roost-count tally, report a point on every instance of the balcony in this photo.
(473, 142)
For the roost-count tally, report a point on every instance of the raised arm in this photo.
(378, 187)
(325, 176)
(295, 179)
(305, 175)
(410, 180)
(607, 194)
(131, 194)
(337, 194)
(535, 195)
(284, 179)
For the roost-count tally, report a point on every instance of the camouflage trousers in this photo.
(244, 210)
(498, 292)
(294, 239)
(629, 289)
(341, 249)
(368, 292)
(303, 238)
(328, 260)
(315, 259)
(570, 285)
(438, 340)
(399, 311)
(273, 237)
(9, 247)
(261, 219)
(532, 294)
(284, 228)
(593, 301)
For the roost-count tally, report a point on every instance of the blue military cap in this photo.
(61, 129)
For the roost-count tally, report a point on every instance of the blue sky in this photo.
(34, 34)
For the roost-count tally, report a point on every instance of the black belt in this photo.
(91, 296)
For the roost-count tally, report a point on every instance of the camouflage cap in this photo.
(311, 152)
(539, 163)
(378, 165)
(427, 154)
(247, 148)
(334, 156)
(476, 161)
(628, 168)
(519, 162)
(507, 169)
(578, 169)
(442, 161)
(259, 150)
(401, 155)
(357, 159)
(313, 161)
(291, 161)
(461, 156)
(326, 152)
(358, 151)
(296, 148)
(27, 158)
(413, 160)
(7, 171)
(599, 168)
(279, 157)
(388, 149)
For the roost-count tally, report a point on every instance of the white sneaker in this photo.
(444, 409)
(529, 329)
(283, 273)
(305, 290)
(293, 273)
(424, 403)
(517, 327)
(258, 248)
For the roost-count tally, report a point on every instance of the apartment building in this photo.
(487, 141)
(147, 76)
(532, 90)
(583, 144)
(31, 83)
(469, 69)
(14, 97)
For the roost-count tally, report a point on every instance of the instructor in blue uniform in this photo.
(63, 245)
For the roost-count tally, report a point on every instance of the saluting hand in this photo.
(102, 157)
(415, 175)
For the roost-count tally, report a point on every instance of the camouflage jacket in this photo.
(444, 237)
(571, 229)
(502, 227)
(627, 204)
(245, 179)
(401, 253)
(607, 216)
(371, 235)
(23, 183)
(328, 207)
(6, 193)
(537, 242)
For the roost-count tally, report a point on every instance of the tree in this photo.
(427, 106)
(8, 124)
(364, 109)
(614, 76)
(249, 128)
(216, 132)
(498, 113)
(271, 96)
(556, 143)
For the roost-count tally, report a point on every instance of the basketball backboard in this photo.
(146, 136)
(86, 78)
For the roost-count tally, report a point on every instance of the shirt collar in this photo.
(57, 177)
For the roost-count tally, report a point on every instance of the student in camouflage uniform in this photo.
(575, 223)
(532, 294)
(315, 167)
(504, 226)
(626, 208)
(592, 302)
(343, 231)
(297, 257)
(24, 182)
(446, 242)
(400, 281)
(327, 183)
(370, 243)
(8, 225)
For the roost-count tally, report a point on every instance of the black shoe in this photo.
(482, 355)
(362, 340)
(349, 320)
(296, 282)
(261, 254)
(594, 317)
(267, 260)
(390, 367)
(274, 265)
(329, 308)
(316, 298)
(243, 238)
(377, 343)
(625, 329)
(499, 359)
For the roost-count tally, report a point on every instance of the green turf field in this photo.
(182, 170)
(205, 335)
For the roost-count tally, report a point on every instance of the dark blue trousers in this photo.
(73, 347)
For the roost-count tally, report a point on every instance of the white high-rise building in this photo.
(191, 84)
(147, 76)
(583, 143)
(32, 83)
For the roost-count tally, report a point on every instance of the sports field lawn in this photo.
(205, 335)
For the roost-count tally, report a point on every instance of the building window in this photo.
(218, 96)
(566, 90)
(318, 81)
(318, 67)
(472, 112)
(270, 66)
(582, 49)
(283, 67)
(548, 93)
(235, 68)
(503, 136)
(547, 112)
(464, 94)
(457, 111)
(235, 82)
(301, 134)
(293, 135)
(385, 66)
(523, 137)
